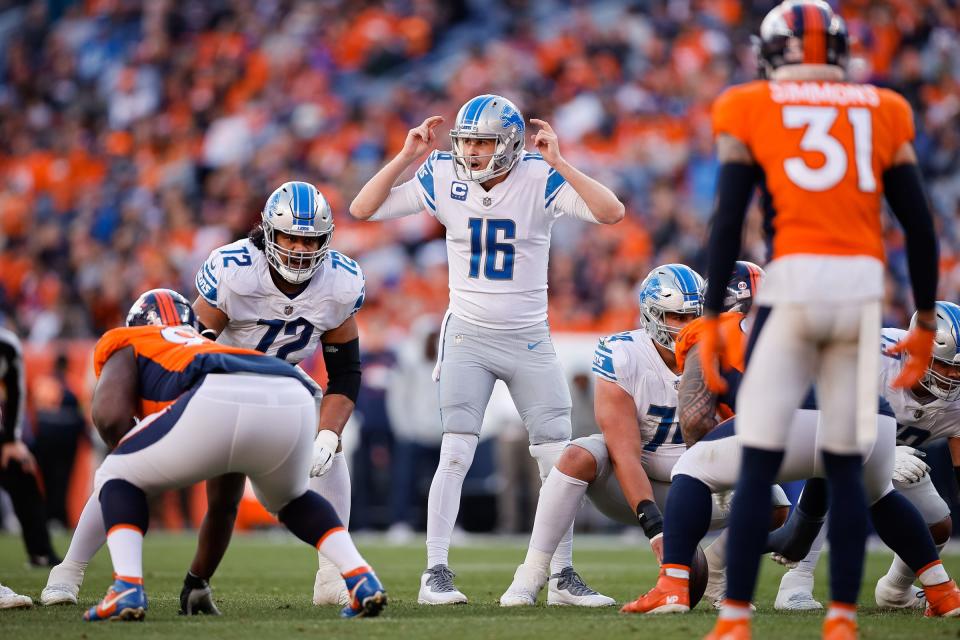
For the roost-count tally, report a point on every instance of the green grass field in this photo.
(265, 583)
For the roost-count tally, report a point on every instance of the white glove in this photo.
(908, 468)
(324, 448)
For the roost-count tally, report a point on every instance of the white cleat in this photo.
(9, 599)
(436, 587)
(567, 588)
(890, 596)
(329, 589)
(526, 586)
(59, 594)
(796, 599)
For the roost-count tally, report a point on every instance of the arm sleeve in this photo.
(735, 184)
(404, 200)
(903, 188)
(14, 381)
(568, 202)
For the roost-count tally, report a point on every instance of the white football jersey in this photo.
(917, 423)
(631, 361)
(498, 241)
(236, 280)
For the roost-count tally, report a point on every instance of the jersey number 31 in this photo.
(817, 138)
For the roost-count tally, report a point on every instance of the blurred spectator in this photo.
(414, 409)
(58, 425)
(18, 469)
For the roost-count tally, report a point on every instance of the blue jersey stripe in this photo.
(554, 182)
(603, 374)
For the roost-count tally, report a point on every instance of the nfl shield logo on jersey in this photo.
(288, 309)
(487, 201)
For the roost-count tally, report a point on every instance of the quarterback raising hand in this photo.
(546, 142)
(421, 138)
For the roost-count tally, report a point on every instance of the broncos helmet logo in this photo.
(510, 117)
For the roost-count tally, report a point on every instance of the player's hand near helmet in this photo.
(710, 346)
(918, 346)
(908, 468)
(546, 142)
(421, 139)
(324, 448)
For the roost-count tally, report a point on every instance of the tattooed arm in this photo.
(698, 406)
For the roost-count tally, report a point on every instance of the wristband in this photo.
(650, 518)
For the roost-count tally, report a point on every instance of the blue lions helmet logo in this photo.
(651, 291)
(510, 117)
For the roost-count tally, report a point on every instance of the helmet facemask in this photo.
(295, 266)
(654, 320)
(671, 288)
(941, 386)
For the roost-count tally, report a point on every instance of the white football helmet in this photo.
(490, 117)
(673, 288)
(946, 350)
(296, 209)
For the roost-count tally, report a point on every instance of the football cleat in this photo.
(730, 630)
(197, 598)
(798, 599)
(63, 583)
(125, 600)
(669, 595)
(10, 599)
(329, 588)
(839, 628)
(890, 596)
(436, 587)
(367, 595)
(567, 588)
(526, 586)
(59, 593)
(943, 600)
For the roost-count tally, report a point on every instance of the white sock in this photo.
(126, 551)
(560, 498)
(334, 485)
(934, 573)
(339, 549)
(443, 503)
(716, 553)
(735, 611)
(87, 539)
(547, 454)
(801, 576)
(899, 574)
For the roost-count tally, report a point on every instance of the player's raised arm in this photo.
(601, 201)
(373, 194)
(903, 188)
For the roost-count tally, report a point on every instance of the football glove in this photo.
(908, 468)
(324, 448)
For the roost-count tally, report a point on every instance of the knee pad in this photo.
(547, 454)
(456, 453)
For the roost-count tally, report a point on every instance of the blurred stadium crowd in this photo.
(136, 136)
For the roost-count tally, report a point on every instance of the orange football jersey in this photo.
(823, 148)
(171, 360)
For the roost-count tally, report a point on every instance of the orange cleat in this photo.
(669, 595)
(943, 600)
(839, 628)
(730, 630)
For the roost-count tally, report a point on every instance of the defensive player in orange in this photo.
(181, 409)
(824, 151)
(711, 462)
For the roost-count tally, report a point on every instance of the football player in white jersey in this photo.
(625, 470)
(925, 412)
(498, 203)
(281, 291)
